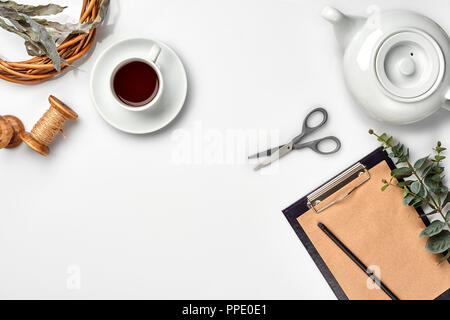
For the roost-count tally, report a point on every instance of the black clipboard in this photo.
(301, 206)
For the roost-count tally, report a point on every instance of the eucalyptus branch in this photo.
(436, 204)
(426, 201)
(426, 191)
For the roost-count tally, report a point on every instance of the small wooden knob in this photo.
(6, 132)
(11, 129)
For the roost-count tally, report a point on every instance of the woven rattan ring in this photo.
(41, 68)
(48, 126)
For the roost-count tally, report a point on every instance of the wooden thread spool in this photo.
(48, 127)
(11, 129)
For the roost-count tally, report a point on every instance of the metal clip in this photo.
(315, 198)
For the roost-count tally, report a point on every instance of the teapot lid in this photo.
(409, 65)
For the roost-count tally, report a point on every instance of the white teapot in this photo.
(396, 63)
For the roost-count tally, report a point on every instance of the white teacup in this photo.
(150, 60)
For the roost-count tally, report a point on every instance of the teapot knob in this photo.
(407, 66)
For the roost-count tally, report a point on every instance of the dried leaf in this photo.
(9, 28)
(42, 36)
(47, 43)
(33, 11)
(32, 49)
(59, 32)
(38, 35)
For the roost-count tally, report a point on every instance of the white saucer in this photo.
(158, 116)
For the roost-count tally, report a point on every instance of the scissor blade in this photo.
(276, 156)
(266, 153)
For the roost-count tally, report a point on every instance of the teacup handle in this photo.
(155, 52)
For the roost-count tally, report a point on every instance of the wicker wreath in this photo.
(41, 68)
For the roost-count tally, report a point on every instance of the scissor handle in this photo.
(315, 145)
(307, 129)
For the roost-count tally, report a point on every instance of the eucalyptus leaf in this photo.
(446, 200)
(427, 170)
(437, 169)
(408, 199)
(405, 192)
(390, 140)
(416, 186)
(424, 192)
(439, 243)
(402, 172)
(445, 258)
(402, 159)
(405, 183)
(428, 214)
(383, 137)
(432, 185)
(436, 178)
(417, 203)
(396, 148)
(434, 228)
(33, 11)
(421, 162)
(402, 155)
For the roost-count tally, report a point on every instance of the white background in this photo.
(137, 225)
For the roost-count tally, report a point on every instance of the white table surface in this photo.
(111, 215)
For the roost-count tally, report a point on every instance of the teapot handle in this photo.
(447, 101)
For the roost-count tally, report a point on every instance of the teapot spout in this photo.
(345, 27)
(333, 15)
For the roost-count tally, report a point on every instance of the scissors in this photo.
(296, 144)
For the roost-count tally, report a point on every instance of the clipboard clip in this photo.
(315, 198)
